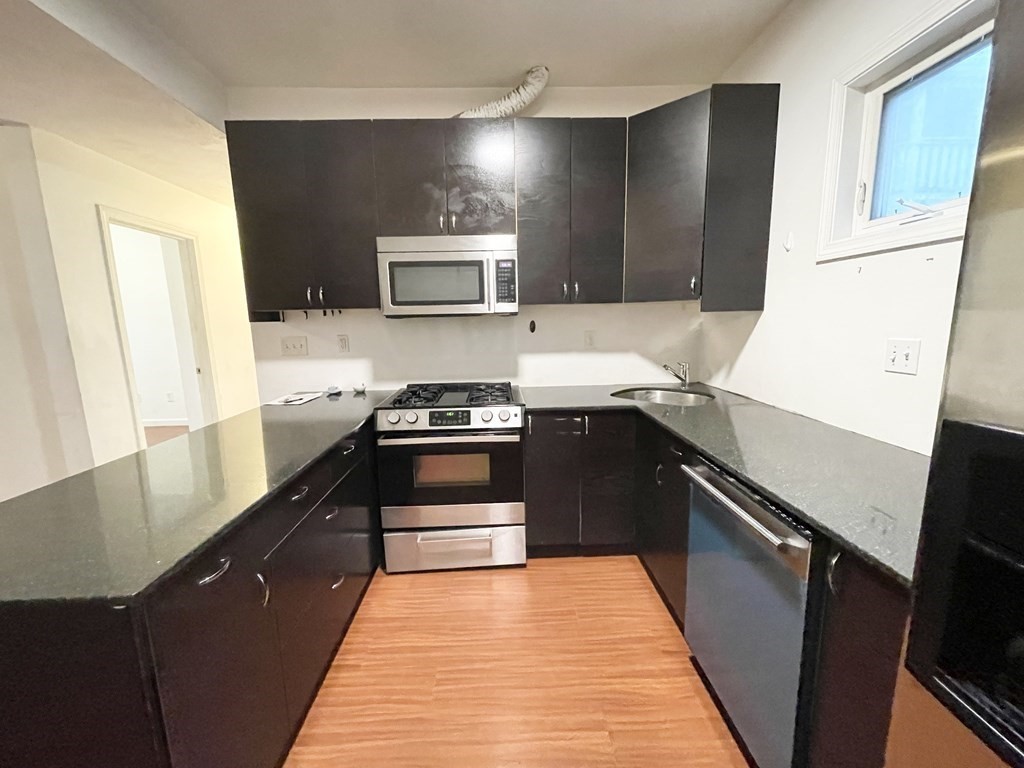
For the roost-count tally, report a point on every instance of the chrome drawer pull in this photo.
(333, 513)
(225, 563)
(301, 494)
(339, 582)
(452, 543)
(266, 589)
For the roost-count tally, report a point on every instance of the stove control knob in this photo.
(504, 415)
(412, 417)
(486, 416)
(394, 418)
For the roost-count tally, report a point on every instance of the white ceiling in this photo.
(55, 80)
(461, 43)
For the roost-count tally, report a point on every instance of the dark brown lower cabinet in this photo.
(862, 637)
(663, 513)
(214, 664)
(579, 479)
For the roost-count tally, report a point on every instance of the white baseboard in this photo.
(165, 422)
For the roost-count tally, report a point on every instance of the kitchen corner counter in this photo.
(113, 530)
(866, 494)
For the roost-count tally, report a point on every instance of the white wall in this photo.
(74, 181)
(149, 323)
(818, 347)
(631, 341)
(43, 435)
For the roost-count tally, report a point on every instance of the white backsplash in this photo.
(631, 341)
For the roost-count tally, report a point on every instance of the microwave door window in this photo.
(437, 283)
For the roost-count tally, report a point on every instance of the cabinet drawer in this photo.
(463, 548)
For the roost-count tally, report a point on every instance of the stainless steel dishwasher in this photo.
(746, 606)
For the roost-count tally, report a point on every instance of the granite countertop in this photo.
(867, 494)
(113, 530)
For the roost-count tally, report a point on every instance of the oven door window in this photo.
(437, 283)
(451, 470)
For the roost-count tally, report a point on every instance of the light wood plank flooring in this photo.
(155, 435)
(567, 663)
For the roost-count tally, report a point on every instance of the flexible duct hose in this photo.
(514, 101)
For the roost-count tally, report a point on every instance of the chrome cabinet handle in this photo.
(348, 450)
(529, 424)
(301, 494)
(675, 450)
(339, 582)
(225, 563)
(451, 218)
(777, 542)
(657, 474)
(333, 513)
(586, 424)
(321, 295)
(440, 222)
(266, 589)
(830, 573)
(693, 285)
(576, 291)
(309, 296)
(565, 291)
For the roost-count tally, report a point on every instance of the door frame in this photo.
(195, 306)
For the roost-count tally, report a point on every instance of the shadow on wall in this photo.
(724, 335)
(591, 344)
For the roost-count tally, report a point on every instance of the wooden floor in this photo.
(567, 663)
(156, 435)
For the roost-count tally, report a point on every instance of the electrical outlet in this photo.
(343, 346)
(294, 346)
(588, 340)
(170, 397)
(902, 356)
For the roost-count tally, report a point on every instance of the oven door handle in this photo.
(448, 440)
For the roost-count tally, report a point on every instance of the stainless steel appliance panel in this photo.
(463, 548)
(746, 602)
(453, 515)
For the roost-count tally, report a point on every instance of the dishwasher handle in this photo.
(791, 546)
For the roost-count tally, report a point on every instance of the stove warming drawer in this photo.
(435, 550)
(453, 515)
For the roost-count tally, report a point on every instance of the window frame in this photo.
(871, 135)
(854, 127)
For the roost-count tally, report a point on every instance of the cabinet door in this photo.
(542, 209)
(606, 487)
(865, 618)
(480, 166)
(408, 158)
(553, 479)
(598, 209)
(268, 174)
(343, 209)
(668, 161)
(741, 170)
(218, 665)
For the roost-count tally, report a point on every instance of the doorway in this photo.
(162, 326)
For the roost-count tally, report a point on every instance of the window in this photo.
(903, 135)
(925, 126)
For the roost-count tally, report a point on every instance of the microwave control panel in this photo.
(505, 281)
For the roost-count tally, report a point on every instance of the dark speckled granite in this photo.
(114, 530)
(865, 493)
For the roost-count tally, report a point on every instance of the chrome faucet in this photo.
(683, 374)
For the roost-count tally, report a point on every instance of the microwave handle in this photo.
(492, 274)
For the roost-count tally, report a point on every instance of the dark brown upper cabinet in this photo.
(480, 165)
(543, 176)
(699, 190)
(571, 186)
(598, 209)
(412, 196)
(306, 205)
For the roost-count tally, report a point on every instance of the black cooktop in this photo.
(453, 395)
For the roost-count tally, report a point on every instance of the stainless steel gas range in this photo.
(450, 472)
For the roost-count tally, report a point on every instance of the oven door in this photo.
(415, 284)
(434, 481)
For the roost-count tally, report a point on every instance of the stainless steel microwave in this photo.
(448, 275)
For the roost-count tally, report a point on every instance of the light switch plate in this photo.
(294, 346)
(902, 356)
(343, 346)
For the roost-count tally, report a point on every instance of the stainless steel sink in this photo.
(681, 398)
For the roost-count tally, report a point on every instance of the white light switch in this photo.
(343, 346)
(902, 356)
(294, 346)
